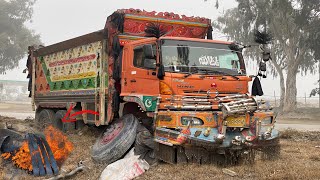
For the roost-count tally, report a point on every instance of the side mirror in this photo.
(149, 63)
(266, 56)
(148, 51)
(161, 72)
(262, 66)
(262, 69)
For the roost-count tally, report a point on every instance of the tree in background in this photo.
(294, 25)
(15, 37)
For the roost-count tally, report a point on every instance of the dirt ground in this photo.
(299, 159)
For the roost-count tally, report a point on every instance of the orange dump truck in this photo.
(160, 67)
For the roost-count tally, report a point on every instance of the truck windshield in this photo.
(200, 58)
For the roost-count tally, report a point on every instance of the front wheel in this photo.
(116, 140)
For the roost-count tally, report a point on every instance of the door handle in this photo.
(133, 80)
(153, 73)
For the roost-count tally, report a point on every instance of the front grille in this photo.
(188, 103)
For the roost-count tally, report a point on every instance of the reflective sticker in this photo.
(133, 72)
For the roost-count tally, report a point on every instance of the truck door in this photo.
(139, 72)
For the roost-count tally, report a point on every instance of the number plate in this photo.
(239, 121)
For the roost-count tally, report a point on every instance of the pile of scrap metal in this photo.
(42, 159)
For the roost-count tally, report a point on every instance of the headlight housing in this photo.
(194, 120)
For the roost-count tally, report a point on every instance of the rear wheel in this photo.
(63, 126)
(44, 118)
(116, 140)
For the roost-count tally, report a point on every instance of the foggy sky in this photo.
(58, 20)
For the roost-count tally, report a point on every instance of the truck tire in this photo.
(116, 140)
(44, 118)
(63, 126)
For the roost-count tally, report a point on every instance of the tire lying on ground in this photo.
(116, 140)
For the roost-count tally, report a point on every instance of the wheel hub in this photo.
(111, 132)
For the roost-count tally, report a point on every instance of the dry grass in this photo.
(300, 159)
(294, 135)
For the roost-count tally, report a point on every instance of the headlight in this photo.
(194, 120)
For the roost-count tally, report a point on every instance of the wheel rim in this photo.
(111, 132)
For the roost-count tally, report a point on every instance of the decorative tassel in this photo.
(154, 30)
(262, 37)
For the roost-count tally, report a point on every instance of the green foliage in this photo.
(15, 37)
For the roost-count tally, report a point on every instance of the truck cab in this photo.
(196, 85)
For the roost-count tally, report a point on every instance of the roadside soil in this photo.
(299, 159)
(19, 110)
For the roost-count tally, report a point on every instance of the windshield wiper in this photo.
(217, 71)
(191, 73)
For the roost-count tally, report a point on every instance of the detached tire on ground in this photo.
(116, 140)
(44, 118)
(63, 126)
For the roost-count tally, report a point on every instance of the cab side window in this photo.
(140, 61)
(138, 57)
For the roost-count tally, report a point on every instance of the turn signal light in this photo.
(165, 89)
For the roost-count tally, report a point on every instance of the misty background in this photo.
(60, 20)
